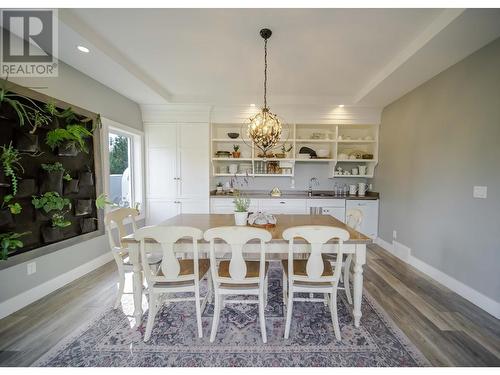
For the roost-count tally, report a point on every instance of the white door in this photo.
(369, 208)
(161, 210)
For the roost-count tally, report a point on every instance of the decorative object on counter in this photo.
(262, 220)
(11, 168)
(276, 192)
(233, 135)
(219, 188)
(322, 153)
(361, 189)
(353, 189)
(233, 168)
(236, 151)
(265, 127)
(362, 170)
(241, 206)
(222, 154)
(10, 241)
(367, 156)
(356, 154)
(354, 171)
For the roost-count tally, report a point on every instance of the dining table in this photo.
(276, 249)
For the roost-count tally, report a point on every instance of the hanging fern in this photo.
(10, 158)
(74, 134)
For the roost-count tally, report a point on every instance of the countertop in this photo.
(318, 194)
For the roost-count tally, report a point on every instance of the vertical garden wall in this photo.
(49, 172)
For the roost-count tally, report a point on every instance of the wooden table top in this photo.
(207, 221)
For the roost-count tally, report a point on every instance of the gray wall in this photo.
(436, 143)
(76, 88)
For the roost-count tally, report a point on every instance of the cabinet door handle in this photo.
(282, 202)
(177, 202)
(361, 204)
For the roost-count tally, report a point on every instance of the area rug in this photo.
(108, 339)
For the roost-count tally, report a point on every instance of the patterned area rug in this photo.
(109, 341)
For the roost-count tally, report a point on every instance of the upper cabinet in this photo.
(342, 146)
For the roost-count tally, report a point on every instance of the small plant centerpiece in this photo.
(9, 242)
(241, 206)
(52, 205)
(7, 209)
(11, 168)
(69, 141)
(236, 151)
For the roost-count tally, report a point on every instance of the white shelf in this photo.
(232, 159)
(314, 160)
(272, 175)
(229, 140)
(354, 176)
(315, 141)
(233, 175)
(357, 161)
(355, 141)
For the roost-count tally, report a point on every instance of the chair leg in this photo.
(289, 312)
(215, 319)
(347, 272)
(262, 317)
(121, 286)
(153, 309)
(198, 309)
(325, 300)
(285, 291)
(266, 289)
(333, 311)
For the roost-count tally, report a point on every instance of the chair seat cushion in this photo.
(299, 267)
(252, 268)
(187, 267)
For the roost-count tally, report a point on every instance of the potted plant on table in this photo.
(241, 206)
(10, 241)
(236, 151)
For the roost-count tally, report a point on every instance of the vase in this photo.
(240, 218)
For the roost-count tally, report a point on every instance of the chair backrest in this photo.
(236, 237)
(354, 218)
(118, 217)
(170, 265)
(316, 236)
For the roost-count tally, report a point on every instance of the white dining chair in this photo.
(354, 218)
(314, 275)
(238, 276)
(174, 275)
(119, 248)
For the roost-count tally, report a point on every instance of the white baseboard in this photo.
(477, 298)
(18, 302)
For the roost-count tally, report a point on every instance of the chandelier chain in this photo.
(265, 73)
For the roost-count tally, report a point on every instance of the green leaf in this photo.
(15, 208)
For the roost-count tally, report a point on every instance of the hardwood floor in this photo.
(449, 330)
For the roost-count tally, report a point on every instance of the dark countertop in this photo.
(318, 194)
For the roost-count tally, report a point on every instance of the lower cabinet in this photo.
(161, 210)
(283, 206)
(369, 208)
(226, 205)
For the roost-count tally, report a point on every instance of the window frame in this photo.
(136, 161)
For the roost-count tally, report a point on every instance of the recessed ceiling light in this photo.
(341, 105)
(252, 105)
(83, 49)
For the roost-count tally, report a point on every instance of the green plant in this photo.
(241, 204)
(67, 177)
(10, 241)
(72, 134)
(50, 201)
(10, 158)
(51, 168)
(236, 148)
(67, 114)
(118, 155)
(15, 208)
(37, 119)
(8, 97)
(59, 221)
(102, 201)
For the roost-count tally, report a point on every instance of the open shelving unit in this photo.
(343, 143)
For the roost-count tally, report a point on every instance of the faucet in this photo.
(315, 181)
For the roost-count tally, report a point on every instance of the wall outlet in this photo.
(394, 234)
(480, 192)
(31, 268)
(292, 183)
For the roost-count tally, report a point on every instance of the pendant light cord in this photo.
(265, 73)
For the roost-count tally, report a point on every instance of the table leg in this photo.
(359, 260)
(136, 281)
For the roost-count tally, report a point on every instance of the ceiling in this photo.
(365, 57)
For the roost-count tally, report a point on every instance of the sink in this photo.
(323, 195)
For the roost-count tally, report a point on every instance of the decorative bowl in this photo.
(322, 153)
(233, 135)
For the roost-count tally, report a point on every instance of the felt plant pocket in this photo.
(67, 149)
(86, 178)
(88, 225)
(4, 180)
(71, 187)
(83, 207)
(26, 188)
(6, 218)
(51, 234)
(52, 181)
(27, 143)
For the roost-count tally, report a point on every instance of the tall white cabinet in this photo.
(177, 165)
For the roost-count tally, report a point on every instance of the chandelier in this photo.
(265, 127)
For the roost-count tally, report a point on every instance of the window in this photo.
(122, 163)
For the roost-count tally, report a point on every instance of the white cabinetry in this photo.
(369, 208)
(226, 205)
(332, 207)
(283, 206)
(177, 169)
